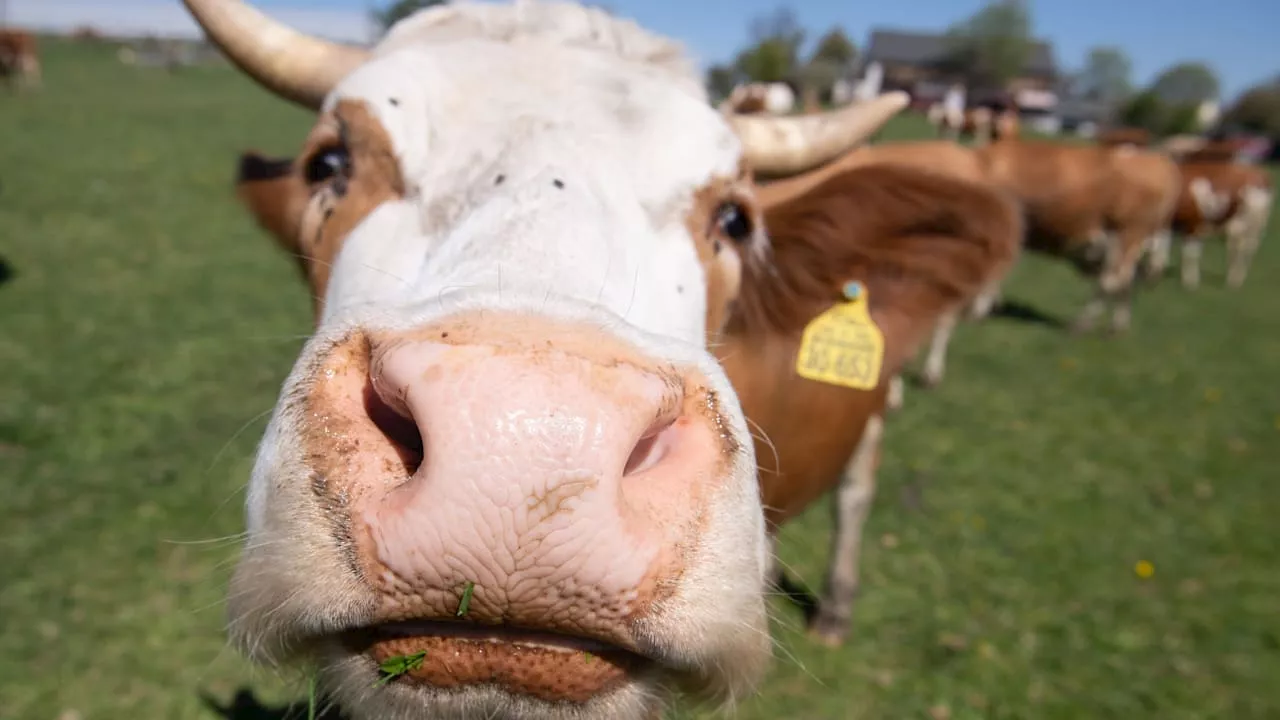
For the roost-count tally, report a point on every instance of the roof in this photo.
(917, 48)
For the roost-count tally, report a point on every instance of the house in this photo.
(917, 62)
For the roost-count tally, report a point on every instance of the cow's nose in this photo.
(545, 494)
(523, 445)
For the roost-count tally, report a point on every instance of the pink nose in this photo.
(556, 482)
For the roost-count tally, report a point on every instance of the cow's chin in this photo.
(451, 670)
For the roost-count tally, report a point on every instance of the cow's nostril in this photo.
(400, 430)
(654, 445)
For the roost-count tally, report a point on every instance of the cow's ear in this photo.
(940, 242)
(275, 195)
(920, 243)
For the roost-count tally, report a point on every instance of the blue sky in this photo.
(1240, 39)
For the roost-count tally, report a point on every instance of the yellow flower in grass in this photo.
(1144, 569)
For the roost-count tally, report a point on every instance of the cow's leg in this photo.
(1118, 282)
(1088, 316)
(1157, 258)
(984, 302)
(935, 365)
(1100, 242)
(1115, 284)
(897, 391)
(1244, 234)
(852, 503)
(1192, 249)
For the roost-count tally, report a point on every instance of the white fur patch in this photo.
(1209, 202)
(598, 159)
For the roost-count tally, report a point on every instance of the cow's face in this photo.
(506, 458)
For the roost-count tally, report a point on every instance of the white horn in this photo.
(781, 146)
(294, 66)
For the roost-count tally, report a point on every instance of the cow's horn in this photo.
(781, 146)
(294, 66)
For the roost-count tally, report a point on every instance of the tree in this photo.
(1106, 75)
(1144, 110)
(992, 47)
(1257, 110)
(832, 59)
(1186, 83)
(401, 9)
(836, 49)
(775, 50)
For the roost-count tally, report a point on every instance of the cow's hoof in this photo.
(829, 631)
(930, 380)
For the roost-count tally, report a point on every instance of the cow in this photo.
(1100, 208)
(506, 462)
(919, 245)
(1007, 124)
(976, 123)
(768, 98)
(19, 59)
(1217, 196)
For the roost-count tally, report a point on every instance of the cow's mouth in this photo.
(548, 666)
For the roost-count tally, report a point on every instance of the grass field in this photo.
(146, 327)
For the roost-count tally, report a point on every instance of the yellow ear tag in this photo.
(843, 346)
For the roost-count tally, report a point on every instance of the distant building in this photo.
(917, 63)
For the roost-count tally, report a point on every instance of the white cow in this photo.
(506, 465)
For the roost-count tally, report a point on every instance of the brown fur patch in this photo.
(721, 257)
(314, 222)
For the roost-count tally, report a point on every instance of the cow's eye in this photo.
(327, 164)
(733, 220)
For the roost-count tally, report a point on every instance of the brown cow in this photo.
(1098, 207)
(19, 58)
(1217, 196)
(922, 245)
(976, 123)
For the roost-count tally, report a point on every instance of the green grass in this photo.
(149, 324)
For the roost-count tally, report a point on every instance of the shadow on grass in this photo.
(6, 271)
(1014, 310)
(246, 706)
(799, 595)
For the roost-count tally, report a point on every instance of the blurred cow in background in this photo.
(1217, 195)
(767, 98)
(19, 58)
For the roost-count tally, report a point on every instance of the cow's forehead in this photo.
(458, 107)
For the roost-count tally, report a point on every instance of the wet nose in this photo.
(558, 480)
